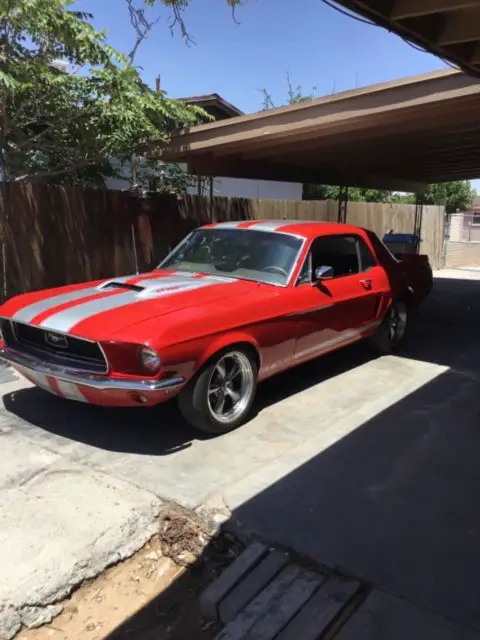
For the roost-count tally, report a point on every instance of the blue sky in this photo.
(315, 44)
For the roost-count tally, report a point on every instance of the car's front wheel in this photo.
(393, 329)
(219, 398)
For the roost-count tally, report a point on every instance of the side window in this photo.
(305, 275)
(338, 252)
(347, 255)
(367, 259)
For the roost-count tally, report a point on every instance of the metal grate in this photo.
(60, 349)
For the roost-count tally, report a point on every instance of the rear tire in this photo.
(219, 398)
(392, 332)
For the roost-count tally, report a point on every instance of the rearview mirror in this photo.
(324, 273)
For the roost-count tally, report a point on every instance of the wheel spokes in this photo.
(233, 373)
(219, 404)
(213, 390)
(231, 386)
(221, 370)
(234, 395)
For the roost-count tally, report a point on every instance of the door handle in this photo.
(366, 284)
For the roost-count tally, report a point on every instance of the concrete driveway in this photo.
(368, 464)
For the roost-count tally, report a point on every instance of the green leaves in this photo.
(454, 196)
(63, 127)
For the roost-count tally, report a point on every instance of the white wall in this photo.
(125, 172)
(226, 187)
(252, 189)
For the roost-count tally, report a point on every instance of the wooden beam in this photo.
(414, 8)
(374, 159)
(450, 177)
(367, 140)
(208, 166)
(475, 58)
(350, 112)
(444, 118)
(460, 27)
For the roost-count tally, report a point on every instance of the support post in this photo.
(342, 204)
(420, 201)
(210, 195)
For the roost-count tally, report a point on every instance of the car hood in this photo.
(100, 310)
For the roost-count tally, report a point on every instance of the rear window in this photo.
(383, 253)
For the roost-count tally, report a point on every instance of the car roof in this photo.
(303, 228)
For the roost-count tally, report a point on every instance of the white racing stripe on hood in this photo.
(29, 312)
(65, 320)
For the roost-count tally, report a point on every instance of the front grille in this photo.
(66, 351)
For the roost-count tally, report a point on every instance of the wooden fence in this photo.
(57, 235)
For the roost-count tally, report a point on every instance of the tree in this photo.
(295, 95)
(355, 194)
(454, 196)
(61, 126)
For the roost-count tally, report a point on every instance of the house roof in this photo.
(449, 29)
(213, 102)
(397, 135)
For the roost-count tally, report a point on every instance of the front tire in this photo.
(391, 333)
(219, 398)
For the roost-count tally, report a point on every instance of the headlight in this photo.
(150, 359)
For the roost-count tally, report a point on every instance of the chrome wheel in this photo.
(397, 323)
(231, 387)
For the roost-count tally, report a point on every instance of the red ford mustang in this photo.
(233, 304)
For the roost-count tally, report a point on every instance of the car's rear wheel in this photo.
(219, 398)
(391, 333)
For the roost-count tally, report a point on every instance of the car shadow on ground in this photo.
(395, 502)
(161, 430)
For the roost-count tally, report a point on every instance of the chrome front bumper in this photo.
(102, 383)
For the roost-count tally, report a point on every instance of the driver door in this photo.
(335, 312)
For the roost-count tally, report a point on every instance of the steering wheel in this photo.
(276, 269)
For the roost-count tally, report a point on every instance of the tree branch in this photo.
(267, 100)
(141, 25)
(234, 15)
(178, 20)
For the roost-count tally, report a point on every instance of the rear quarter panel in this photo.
(410, 275)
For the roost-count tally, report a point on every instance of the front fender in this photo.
(227, 340)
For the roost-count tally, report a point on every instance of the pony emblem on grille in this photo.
(56, 340)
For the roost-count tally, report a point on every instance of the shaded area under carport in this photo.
(395, 503)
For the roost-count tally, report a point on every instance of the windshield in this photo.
(261, 256)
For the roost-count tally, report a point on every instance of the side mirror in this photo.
(324, 273)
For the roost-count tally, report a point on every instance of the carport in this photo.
(399, 135)
(449, 29)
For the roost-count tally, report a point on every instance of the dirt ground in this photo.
(153, 595)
